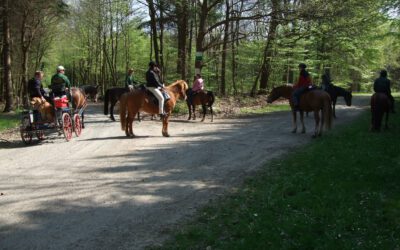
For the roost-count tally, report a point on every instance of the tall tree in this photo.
(8, 93)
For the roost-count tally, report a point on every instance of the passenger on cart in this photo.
(35, 87)
(60, 85)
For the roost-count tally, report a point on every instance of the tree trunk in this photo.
(266, 65)
(181, 13)
(8, 93)
(224, 50)
(153, 24)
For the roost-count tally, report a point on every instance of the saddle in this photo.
(151, 96)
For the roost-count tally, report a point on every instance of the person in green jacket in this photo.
(130, 81)
(60, 84)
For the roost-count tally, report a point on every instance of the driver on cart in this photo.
(60, 85)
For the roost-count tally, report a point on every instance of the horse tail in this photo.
(123, 102)
(106, 97)
(327, 113)
(211, 98)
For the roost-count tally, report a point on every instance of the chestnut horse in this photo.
(312, 100)
(79, 102)
(380, 104)
(140, 100)
(203, 98)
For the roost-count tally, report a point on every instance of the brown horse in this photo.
(139, 100)
(45, 109)
(314, 100)
(380, 104)
(79, 102)
(203, 98)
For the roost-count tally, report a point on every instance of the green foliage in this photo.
(9, 120)
(340, 192)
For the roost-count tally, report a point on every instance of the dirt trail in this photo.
(106, 191)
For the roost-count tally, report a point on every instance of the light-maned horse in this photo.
(380, 105)
(203, 98)
(139, 100)
(79, 102)
(45, 109)
(335, 92)
(312, 100)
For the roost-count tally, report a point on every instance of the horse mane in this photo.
(181, 84)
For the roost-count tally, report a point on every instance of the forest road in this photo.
(106, 191)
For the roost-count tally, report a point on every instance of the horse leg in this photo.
(317, 130)
(194, 112)
(112, 111)
(303, 128)
(204, 112)
(294, 115)
(333, 108)
(129, 122)
(190, 110)
(83, 119)
(386, 120)
(138, 117)
(165, 125)
(212, 113)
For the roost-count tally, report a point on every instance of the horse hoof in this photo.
(294, 131)
(314, 136)
(303, 131)
(165, 134)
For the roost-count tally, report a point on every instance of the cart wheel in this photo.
(26, 130)
(67, 126)
(40, 135)
(77, 125)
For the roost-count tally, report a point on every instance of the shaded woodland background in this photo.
(240, 47)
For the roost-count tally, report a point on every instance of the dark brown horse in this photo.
(203, 98)
(139, 100)
(312, 100)
(91, 91)
(112, 96)
(380, 104)
(79, 102)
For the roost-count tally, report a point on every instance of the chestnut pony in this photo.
(79, 102)
(139, 100)
(312, 100)
(380, 104)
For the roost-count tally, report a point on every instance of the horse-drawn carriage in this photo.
(64, 120)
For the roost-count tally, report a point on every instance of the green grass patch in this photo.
(9, 120)
(265, 109)
(340, 192)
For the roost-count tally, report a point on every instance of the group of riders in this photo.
(60, 85)
(381, 85)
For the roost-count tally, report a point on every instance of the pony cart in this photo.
(64, 120)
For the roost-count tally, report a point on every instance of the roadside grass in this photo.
(340, 192)
(9, 120)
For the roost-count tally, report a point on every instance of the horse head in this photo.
(347, 97)
(278, 92)
(180, 87)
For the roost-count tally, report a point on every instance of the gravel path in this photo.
(105, 191)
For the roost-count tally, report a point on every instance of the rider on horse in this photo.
(326, 81)
(198, 85)
(130, 82)
(382, 85)
(303, 83)
(154, 85)
(60, 84)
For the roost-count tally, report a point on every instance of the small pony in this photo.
(45, 109)
(313, 100)
(380, 104)
(79, 102)
(203, 98)
(133, 102)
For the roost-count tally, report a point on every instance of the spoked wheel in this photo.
(40, 135)
(26, 130)
(77, 125)
(67, 126)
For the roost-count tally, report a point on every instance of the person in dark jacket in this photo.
(326, 80)
(301, 86)
(154, 84)
(382, 85)
(35, 86)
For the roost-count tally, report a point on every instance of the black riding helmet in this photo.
(152, 64)
(302, 65)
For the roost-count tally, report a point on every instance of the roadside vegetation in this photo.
(339, 192)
